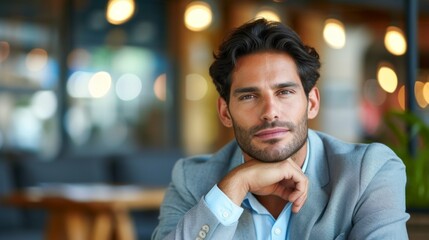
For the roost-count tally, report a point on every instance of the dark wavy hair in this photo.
(258, 36)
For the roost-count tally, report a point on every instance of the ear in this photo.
(313, 103)
(223, 112)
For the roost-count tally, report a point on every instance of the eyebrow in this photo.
(255, 89)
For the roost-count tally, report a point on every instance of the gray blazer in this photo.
(356, 191)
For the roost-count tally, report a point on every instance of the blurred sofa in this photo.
(149, 167)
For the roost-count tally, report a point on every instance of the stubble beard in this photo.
(272, 153)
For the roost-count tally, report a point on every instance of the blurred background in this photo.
(113, 77)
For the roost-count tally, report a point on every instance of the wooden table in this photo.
(81, 212)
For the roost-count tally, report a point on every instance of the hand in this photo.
(283, 179)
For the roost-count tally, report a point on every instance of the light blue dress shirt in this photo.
(228, 212)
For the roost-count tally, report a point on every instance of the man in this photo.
(278, 179)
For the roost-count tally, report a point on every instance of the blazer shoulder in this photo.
(374, 154)
(361, 159)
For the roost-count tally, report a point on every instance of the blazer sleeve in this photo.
(380, 211)
(185, 215)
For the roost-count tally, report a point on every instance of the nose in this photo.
(269, 110)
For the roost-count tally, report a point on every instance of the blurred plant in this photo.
(417, 162)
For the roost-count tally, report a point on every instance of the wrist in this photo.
(234, 189)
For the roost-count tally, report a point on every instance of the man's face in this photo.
(268, 108)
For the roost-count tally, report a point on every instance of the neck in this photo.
(300, 155)
(273, 204)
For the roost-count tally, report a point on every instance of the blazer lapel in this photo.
(246, 228)
(318, 174)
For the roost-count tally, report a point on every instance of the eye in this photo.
(285, 92)
(246, 97)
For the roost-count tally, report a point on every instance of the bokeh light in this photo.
(120, 11)
(196, 87)
(394, 41)
(44, 104)
(99, 84)
(198, 16)
(160, 87)
(77, 84)
(26, 128)
(36, 59)
(401, 97)
(387, 79)
(78, 124)
(128, 87)
(426, 92)
(269, 15)
(418, 91)
(79, 58)
(334, 33)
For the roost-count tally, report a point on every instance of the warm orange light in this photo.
(401, 97)
(198, 16)
(120, 11)
(334, 33)
(418, 91)
(196, 87)
(394, 41)
(160, 87)
(387, 79)
(269, 15)
(426, 92)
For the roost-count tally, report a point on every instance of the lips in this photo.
(271, 133)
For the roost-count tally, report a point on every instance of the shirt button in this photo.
(225, 214)
(277, 231)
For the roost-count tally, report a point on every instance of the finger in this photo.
(293, 164)
(299, 203)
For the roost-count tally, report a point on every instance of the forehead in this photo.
(264, 67)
